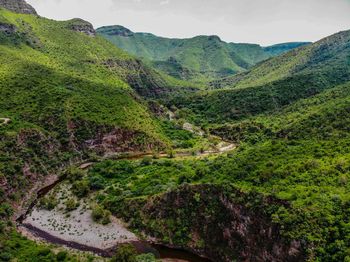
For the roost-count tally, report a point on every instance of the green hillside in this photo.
(292, 165)
(279, 49)
(278, 82)
(196, 58)
(61, 93)
(153, 144)
(328, 56)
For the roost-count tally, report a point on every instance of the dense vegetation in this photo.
(61, 89)
(299, 155)
(199, 58)
(274, 84)
(68, 96)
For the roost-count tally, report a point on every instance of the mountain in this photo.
(196, 58)
(256, 170)
(328, 57)
(279, 49)
(19, 6)
(290, 115)
(67, 94)
(277, 82)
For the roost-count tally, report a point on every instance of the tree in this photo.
(125, 253)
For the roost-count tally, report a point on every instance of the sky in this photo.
(263, 22)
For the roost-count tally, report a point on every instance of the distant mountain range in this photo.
(71, 99)
(197, 58)
(277, 82)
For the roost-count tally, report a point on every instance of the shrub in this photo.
(4, 256)
(146, 161)
(48, 203)
(125, 253)
(61, 256)
(74, 174)
(99, 215)
(146, 258)
(71, 204)
(5, 210)
(97, 182)
(81, 188)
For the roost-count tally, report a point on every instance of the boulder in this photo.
(17, 6)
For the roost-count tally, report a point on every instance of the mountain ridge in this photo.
(194, 58)
(18, 6)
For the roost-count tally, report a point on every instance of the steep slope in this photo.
(64, 96)
(282, 196)
(329, 55)
(278, 49)
(195, 58)
(277, 82)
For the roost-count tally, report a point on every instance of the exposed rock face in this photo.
(8, 29)
(120, 140)
(82, 26)
(108, 140)
(210, 223)
(142, 79)
(18, 6)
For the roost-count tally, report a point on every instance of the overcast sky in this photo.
(251, 21)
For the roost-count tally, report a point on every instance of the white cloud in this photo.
(256, 21)
(165, 2)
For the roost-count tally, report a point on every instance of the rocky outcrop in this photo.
(18, 6)
(82, 26)
(145, 81)
(8, 29)
(211, 222)
(121, 140)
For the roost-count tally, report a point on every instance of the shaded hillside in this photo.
(328, 56)
(286, 188)
(280, 81)
(69, 95)
(196, 58)
(279, 49)
(65, 95)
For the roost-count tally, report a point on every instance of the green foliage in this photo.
(299, 155)
(61, 256)
(71, 204)
(81, 188)
(17, 248)
(279, 49)
(125, 253)
(74, 174)
(197, 58)
(48, 203)
(5, 210)
(63, 91)
(146, 258)
(100, 215)
(96, 182)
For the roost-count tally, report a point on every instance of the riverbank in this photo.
(77, 230)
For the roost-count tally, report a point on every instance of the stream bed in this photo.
(78, 231)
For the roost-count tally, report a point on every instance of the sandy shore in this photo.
(80, 228)
(77, 225)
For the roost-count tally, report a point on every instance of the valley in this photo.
(118, 146)
(74, 226)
